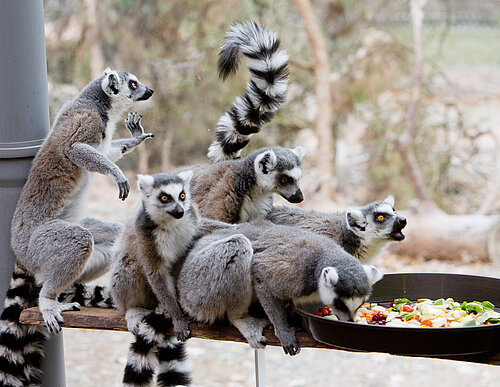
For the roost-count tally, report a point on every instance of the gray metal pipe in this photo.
(24, 122)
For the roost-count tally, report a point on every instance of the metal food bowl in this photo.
(435, 342)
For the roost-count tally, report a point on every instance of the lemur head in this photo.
(345, 295)
(165, 196)
(279, 170)
(124, 88)
(377, 221)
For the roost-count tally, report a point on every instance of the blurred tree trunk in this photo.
(325, 157)
(405, 144)
(93, 37)
(143, 163)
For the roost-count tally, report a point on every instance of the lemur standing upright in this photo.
(278, 264)
(52, 244)
(157, 236)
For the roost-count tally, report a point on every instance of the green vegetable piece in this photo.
(487, 305)
(439, 302)
(408, 315)
(402, 301)
(464, 305)
(470, 323)
(489, 316)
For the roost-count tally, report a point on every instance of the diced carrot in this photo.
(426, 323)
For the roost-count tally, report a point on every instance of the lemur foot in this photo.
(289, 342)
(181, 329)
(135, 127)
(255, 336)
(51, 312)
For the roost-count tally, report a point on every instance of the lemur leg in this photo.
(58, 251)
(123, 146)
(174, 367)
(251, 328)
(276, 311)
(134, 317)
(104, 235)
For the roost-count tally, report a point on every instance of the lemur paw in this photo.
(51, 312)
(135, 127)
(289, 343)
(181, 330)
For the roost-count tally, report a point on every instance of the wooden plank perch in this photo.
(110, 319)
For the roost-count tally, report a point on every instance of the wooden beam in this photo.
(110, 319)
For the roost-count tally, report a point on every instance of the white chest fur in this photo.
(173, 238)
(255, 206)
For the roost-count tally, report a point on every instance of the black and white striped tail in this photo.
(265, 91)
(174, 367)
(152, 351)
(87, 295)
(21, 346)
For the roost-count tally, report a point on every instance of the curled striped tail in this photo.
(174, 368)
(87, 295)
(265, 92)
(21, 346)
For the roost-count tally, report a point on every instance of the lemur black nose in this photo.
(177, 213)
(401, 221)
(297, 197)
(147, 94)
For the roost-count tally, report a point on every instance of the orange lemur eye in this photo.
(133, 84)
(284, 180)
(380, 218)
(164, 198)
(182, 196)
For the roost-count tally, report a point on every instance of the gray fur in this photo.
(156, 236)
(241, 190)
(356, 230)
(47, 238)
(287, 264)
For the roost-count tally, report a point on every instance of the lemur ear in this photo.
(389, 200)
(329, 276)
(266, 161)
(106, 71)
(186, 176)
(356, 219)
(299, 152)
(145, 184)
(374, 275)
(110, 82)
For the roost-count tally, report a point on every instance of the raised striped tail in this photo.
(21, 346)
(87, 295)
(265, 92)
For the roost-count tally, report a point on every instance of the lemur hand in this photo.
(135, 127)
(123, 186)
(181, 329)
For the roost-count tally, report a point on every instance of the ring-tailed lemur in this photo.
(162, 229)
(52, 244)
(265, 92)
(362, 232)
(278, 264)
(240, 190)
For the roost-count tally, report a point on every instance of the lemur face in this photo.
(377, 220)
(124, 87)
(165, 196)
(345, 307)
(279, 170)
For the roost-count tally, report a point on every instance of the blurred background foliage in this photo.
(173, 45)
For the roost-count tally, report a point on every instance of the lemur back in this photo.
(286, 263)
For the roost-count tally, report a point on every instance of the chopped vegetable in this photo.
(424, 313)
